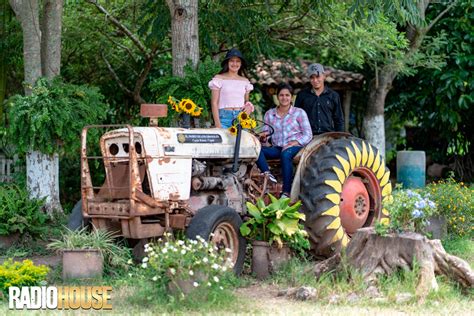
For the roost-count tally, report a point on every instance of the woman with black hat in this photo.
(230, 90)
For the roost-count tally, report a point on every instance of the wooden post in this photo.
(347, 108)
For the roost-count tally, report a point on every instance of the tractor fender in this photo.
(305, 153)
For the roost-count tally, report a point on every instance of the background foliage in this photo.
(52, 117)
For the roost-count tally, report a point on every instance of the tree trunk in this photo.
(374, 122)
(27, 12)
(372, 254)
(51, 38)
(184, 34)
(42, 175)
(42, 57)
(4, 17)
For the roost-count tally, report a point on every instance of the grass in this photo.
(134, 294)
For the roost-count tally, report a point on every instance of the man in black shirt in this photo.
(322, 104)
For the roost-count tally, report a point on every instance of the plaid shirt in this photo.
(293, 126)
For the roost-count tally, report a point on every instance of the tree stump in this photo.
(372, 254)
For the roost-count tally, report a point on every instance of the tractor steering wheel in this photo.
(260, 128)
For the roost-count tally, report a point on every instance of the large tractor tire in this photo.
(221, 226)
(342, 189)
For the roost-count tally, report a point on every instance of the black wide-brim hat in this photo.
(234, 52)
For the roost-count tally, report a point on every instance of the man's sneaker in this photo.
(270, 176)
(284, 195)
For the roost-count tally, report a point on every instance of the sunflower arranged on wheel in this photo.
(186, 106)
(244, 120)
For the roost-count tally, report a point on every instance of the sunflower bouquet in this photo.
(244, 120)
(185, 106)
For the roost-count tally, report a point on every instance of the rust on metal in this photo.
(153, 110)
(164, 160)
(177, 221)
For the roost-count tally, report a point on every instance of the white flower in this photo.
(164, 250)
(180, 242)
(144, 265)
(221, 287)
(195, 284)
(155, 278)
(172, 271)
(145, 259)
(228, 250)
(191, 272)
(209, 284)
(174, 249)
(216, 279)
(205, 260)
(130, 275)
(130, 261)
(215, 266)
(224, 268)
(183, 252)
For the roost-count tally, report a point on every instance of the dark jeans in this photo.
(286, 159)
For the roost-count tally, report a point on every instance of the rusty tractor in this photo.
(164, 179)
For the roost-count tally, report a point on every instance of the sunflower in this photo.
(243, 116)
(246, 123)
(253, 123)
(197, 111)
(187, 106)
(233, 130)
(173, 103)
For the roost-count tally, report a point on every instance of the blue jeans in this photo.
(286, 158)
(227, 116)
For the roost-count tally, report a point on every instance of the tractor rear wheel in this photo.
(342, 189)
(221, 226)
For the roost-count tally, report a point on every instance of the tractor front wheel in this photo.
(221, 226)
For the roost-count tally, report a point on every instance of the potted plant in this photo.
(186, 265)
(19, 215)
(273, 229)
(85, 252)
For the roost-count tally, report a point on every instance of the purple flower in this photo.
(416, 213)
(431, 204)
(420, 204)
(411, 193)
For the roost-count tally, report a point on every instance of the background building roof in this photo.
(273, 72)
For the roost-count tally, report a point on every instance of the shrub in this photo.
(456, 202)
(21, 274)
(409, 210)
(52, 117)
(19, 213)
(187, 259)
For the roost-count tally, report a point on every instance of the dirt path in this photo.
(262, 299)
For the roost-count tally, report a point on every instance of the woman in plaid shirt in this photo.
(292, 132)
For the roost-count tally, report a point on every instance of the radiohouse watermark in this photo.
(60, 297)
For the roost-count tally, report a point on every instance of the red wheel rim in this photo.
(360, 196)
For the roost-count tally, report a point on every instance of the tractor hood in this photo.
(199, 143)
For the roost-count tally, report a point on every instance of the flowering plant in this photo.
(455, 201)
(186, 106)
(409, 210)
(244, 120)
(196, 260)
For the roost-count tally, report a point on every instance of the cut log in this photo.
(372, 254)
